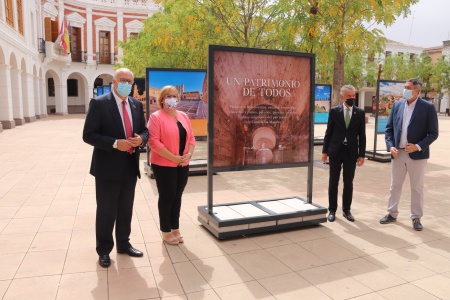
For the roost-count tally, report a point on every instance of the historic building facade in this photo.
(37, 77)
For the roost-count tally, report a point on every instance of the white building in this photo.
(36, 76)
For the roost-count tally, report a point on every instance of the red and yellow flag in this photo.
(64, 39)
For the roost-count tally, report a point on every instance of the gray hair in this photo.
(347, 87)
(416, 82)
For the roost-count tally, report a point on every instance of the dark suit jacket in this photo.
(336, 133)
(102, 127)
(422, 129)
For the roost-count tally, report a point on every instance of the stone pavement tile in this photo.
(292, 286)
(57, 223)
(269, 240)
(10, 264)
(14, 197)
(156, 249)
(247, 290)
(438, 286)
(430, 260)
(328, 251)
(221, 271)
(23, 225)
(305, 234)
(176, 254)
(89, 285)
(357, 244)
(124, 261)
(161, 265)
(8, 212)
(3, 223)
(369, 274)
(407, 291)
(190, 278)
(441, 247)
(4, 284)
(84, 221)
(81, 260)
(403, 263)
(60, 209)
(31, 211)
(203, 295)
(15, 243)
(260, 264)
(168, 285)
(40, 287)
(177, 297)
(51, 240)
(296, 257)
(371, 296)
(334, 283)
(132, 283)
(237, 245)
(41, 196)
(42, 263)
(84, 238)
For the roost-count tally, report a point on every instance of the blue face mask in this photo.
(408, 94)
(124, 89)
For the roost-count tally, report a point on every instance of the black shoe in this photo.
(132, 252)
(331, 216)
(104, 261)
(417, 225)
(348, 215)
(387, 219)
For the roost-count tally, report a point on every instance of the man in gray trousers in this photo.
(412, 127)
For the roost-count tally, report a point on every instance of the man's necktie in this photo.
(126, 120)
(347, 117)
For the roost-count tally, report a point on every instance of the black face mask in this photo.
(350, 101)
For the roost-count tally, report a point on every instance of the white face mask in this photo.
(171, 103)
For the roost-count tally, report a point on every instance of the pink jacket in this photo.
(164, 132)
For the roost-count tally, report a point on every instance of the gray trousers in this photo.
(401, 165)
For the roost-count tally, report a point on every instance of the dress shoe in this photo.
(417, 225)
(331, 216)
(132, 252)
(348, 215)
(387, 219)
(104, 261)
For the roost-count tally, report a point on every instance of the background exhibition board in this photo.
(191, 85)
(260, 108)
(388, 92)
(322, 103)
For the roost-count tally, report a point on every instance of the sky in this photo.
(193, 81)
(428, 24)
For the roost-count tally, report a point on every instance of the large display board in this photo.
(388, 92)
(261, 101)
(192, 88)
(322, 103)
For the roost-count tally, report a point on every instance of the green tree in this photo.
(441, 75)
(339, 27)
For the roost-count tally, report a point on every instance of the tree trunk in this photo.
(338, 78)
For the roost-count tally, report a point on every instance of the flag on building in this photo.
(63, 38)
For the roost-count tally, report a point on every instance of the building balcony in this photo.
(54, 52)
(105, 58)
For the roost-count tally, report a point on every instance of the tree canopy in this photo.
(339, 32)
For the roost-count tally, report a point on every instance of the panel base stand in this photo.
(379, 155)
(318, 140)
(236, 219)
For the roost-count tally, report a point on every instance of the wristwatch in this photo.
(115, 144)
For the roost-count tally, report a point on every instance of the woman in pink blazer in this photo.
(171, 144)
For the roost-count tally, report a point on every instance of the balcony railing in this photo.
(106, 58)
(79, 56)
(41, 46)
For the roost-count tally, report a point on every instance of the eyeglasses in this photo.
(123, 80)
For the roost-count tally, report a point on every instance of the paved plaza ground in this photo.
(47, 241)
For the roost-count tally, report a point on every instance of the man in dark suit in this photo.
(115, 126)
(345, 145)
(412, 127)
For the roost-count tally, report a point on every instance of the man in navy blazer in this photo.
(412, 127)
(345, 145)
(115, 126)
